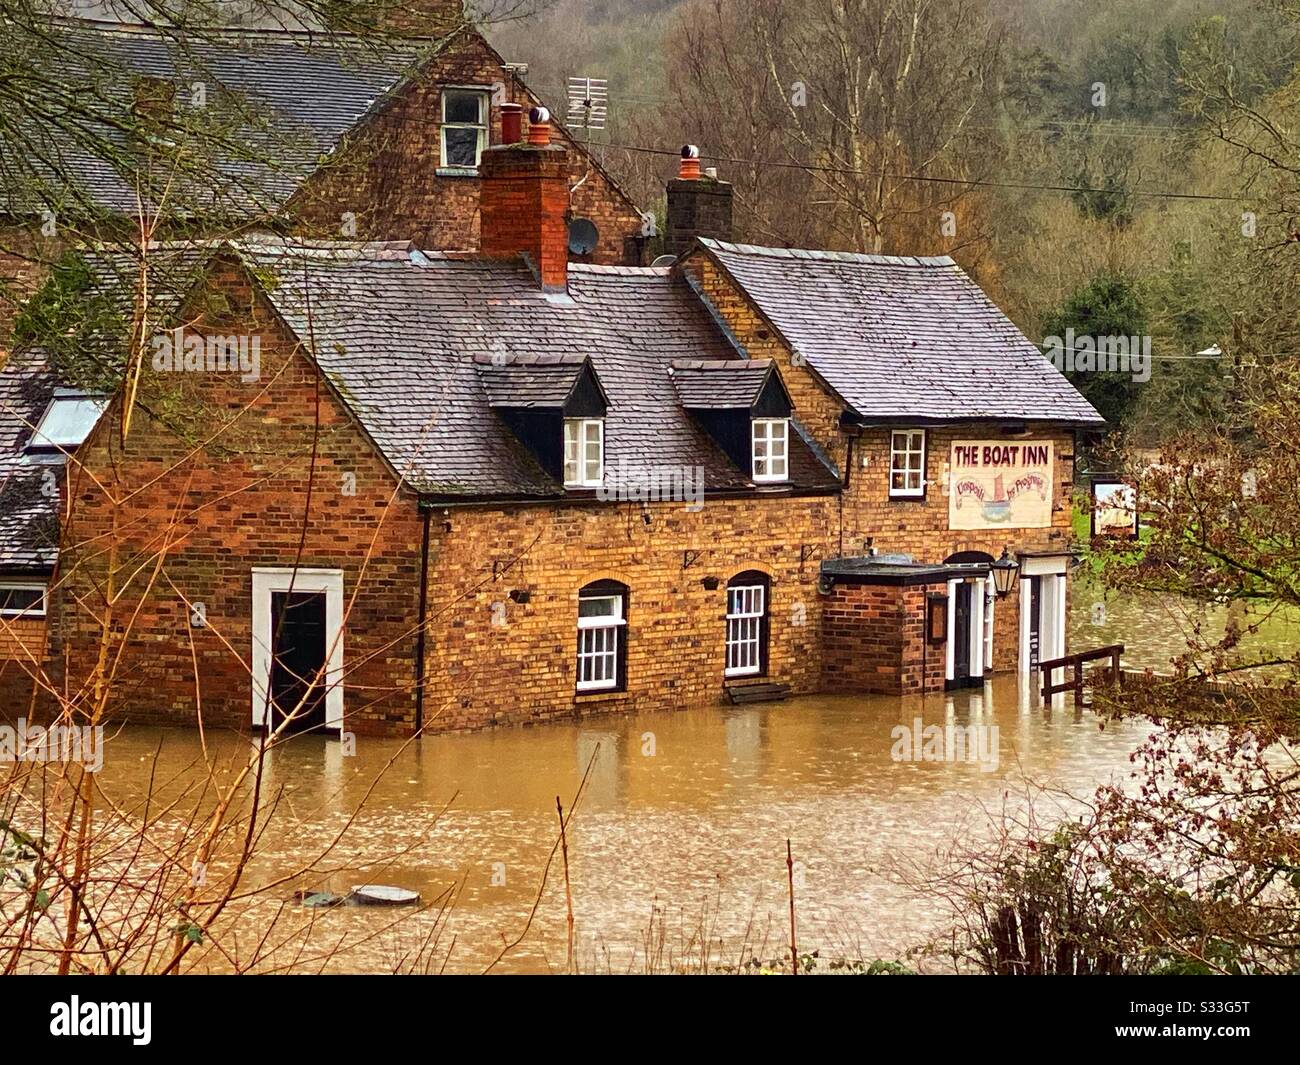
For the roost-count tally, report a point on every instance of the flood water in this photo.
(677, 850)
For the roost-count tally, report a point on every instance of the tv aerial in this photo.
(588, 102)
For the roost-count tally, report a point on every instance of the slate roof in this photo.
(403, 336)
(903, 339)
(720, 384)
(529, 381)
(294, 95)
(28, 509)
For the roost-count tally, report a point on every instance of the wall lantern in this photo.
(521, 596)
(936, 619)
(1005, 571)
(711, 583)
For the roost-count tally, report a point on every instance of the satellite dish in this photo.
(664, 260)
(583, 236)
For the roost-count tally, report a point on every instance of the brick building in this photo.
(455, 490)
(327, 136)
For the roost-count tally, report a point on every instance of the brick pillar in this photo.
(524, 207)
(697, 208)
(407, 18)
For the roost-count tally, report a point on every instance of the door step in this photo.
(763, 692)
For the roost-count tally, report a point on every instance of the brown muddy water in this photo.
(677, 850)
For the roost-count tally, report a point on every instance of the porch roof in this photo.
(869, 569)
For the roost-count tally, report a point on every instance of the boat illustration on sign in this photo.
(997, 509)
(995, 506)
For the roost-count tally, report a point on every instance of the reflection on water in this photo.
(1156, 628)
(688, 812)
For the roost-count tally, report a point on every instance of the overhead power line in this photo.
(968, 182)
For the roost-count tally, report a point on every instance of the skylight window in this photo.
(67, 421)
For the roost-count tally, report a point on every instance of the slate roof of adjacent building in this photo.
(720, 384)
(901, 339)
(296, 94)
(29, 529)
(403, 335)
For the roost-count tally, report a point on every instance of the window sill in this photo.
(457, 171)
(604, 695)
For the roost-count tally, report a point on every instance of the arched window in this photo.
(602, 637)
(747, 624)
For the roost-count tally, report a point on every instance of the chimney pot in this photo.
(690, 163)
(512, 123)
(539, 127)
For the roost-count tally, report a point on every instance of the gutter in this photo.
(467, 502)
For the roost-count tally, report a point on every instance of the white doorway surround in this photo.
(1042, 609)
(267, 582)
(975, 634)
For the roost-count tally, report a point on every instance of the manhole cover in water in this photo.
(381, 895)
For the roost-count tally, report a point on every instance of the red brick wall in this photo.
(21, 640)
(386, 175)
(873, 640)
(183, 512)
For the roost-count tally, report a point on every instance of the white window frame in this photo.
(581, 461)
(25, 586)
(329, 582)
(483, 126)
(764, 430)
(745, 629)
(598, 638)
(906, 452)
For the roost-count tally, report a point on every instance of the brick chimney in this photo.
(406, 18)
(524, 202)
(699, 205)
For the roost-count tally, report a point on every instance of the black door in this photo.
(1035, 620)
(961, 623)
(298, 672)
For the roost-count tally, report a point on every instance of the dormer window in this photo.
(584, 452)
(771, 451)
(67, 422)
(464, 127)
